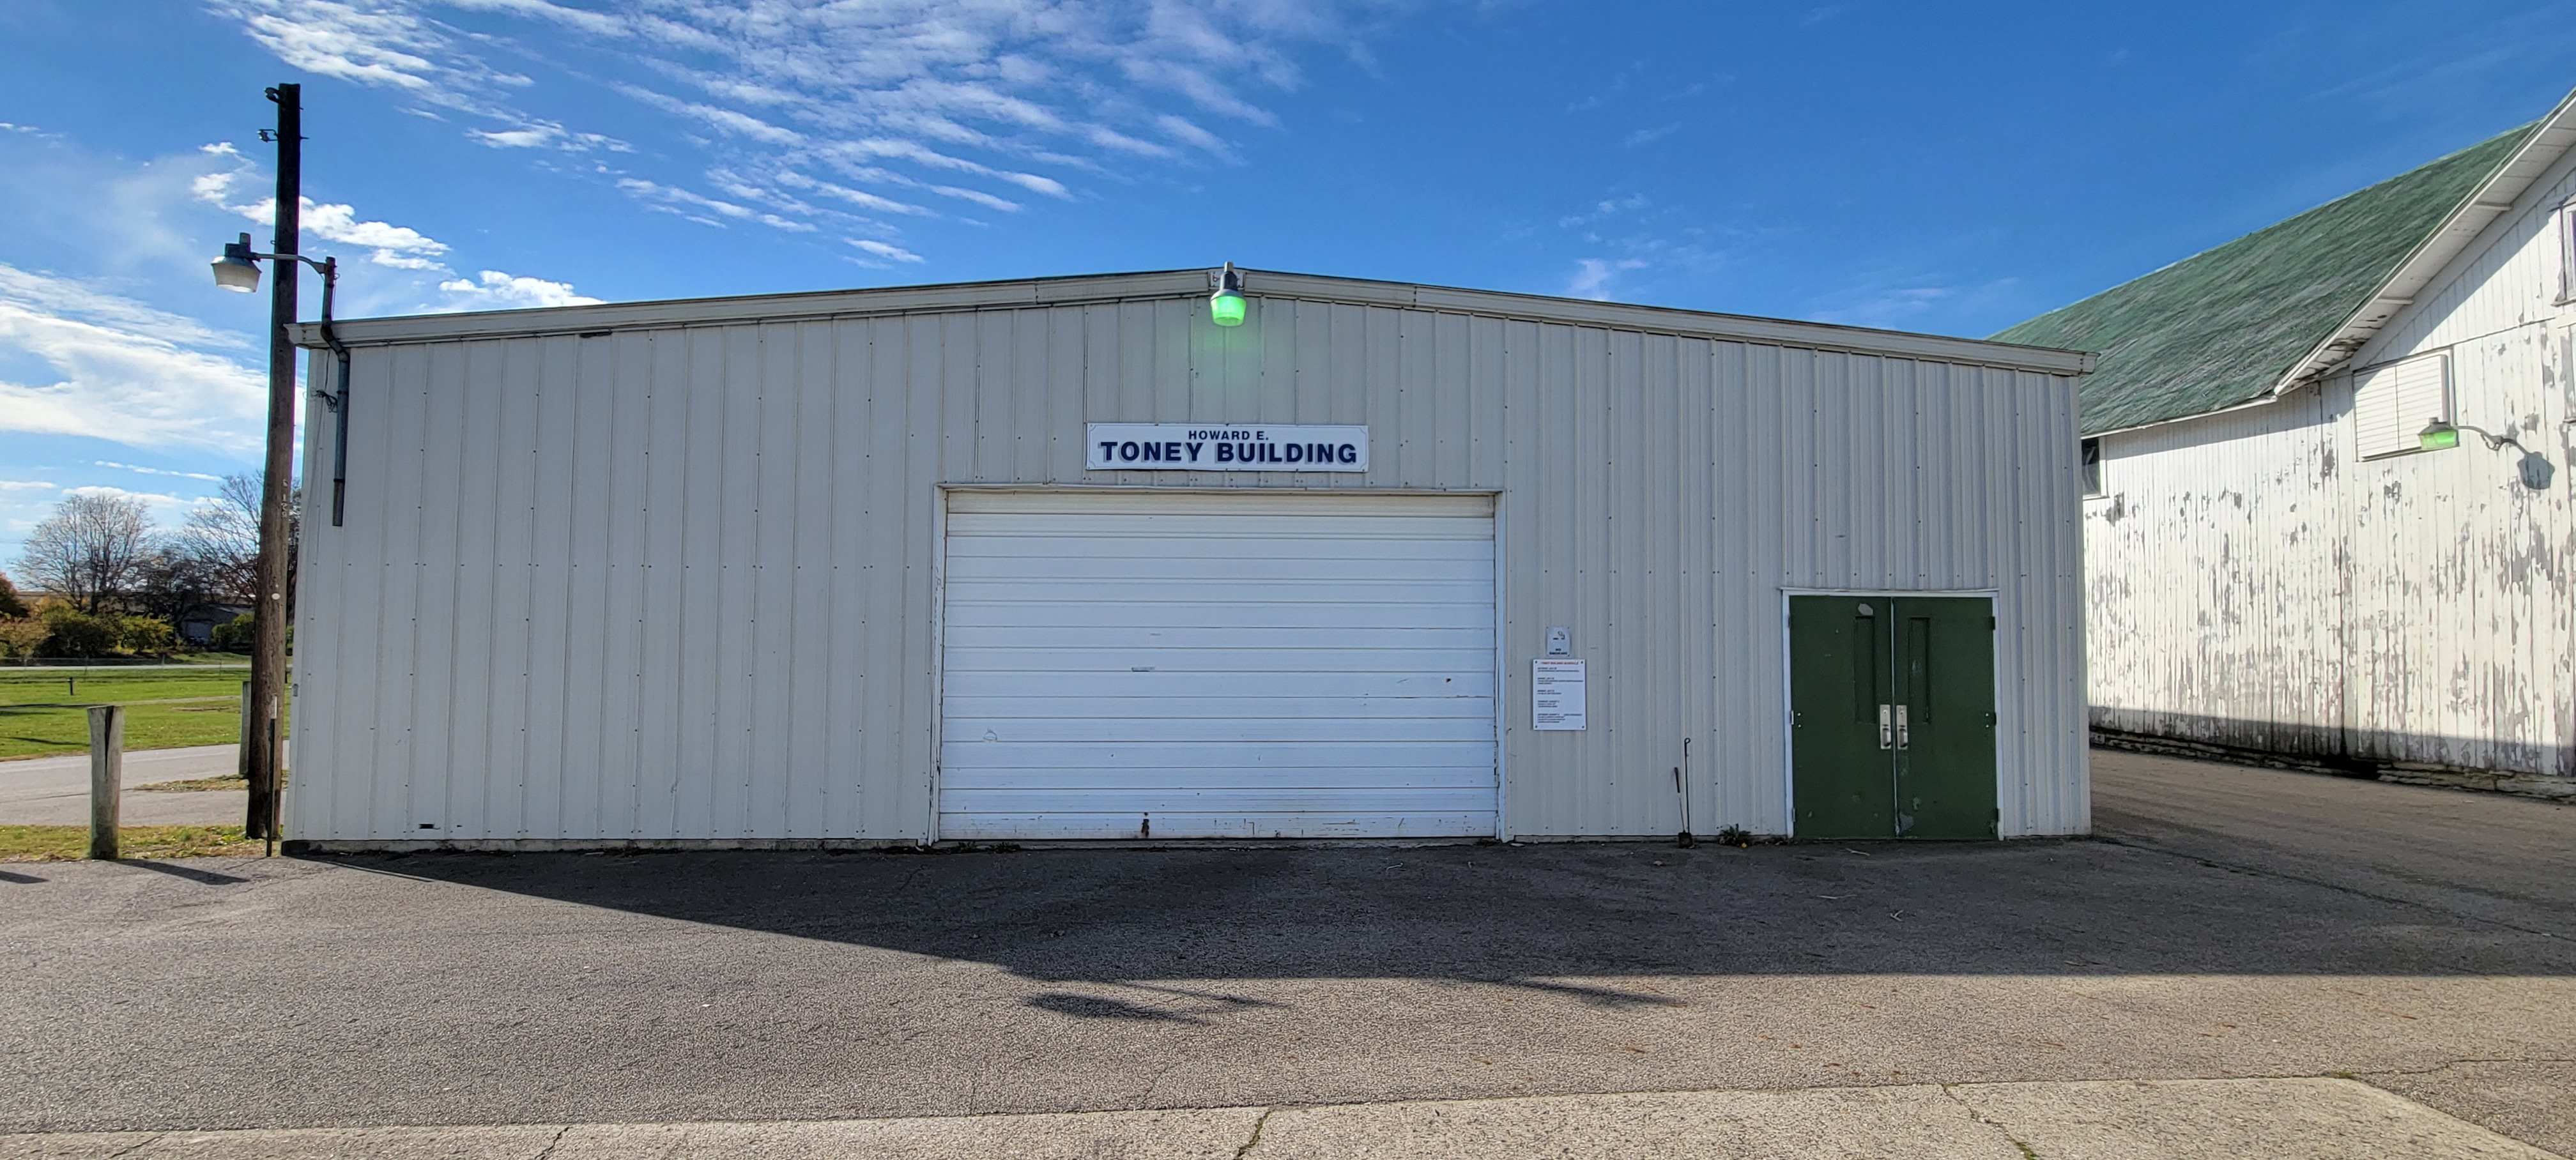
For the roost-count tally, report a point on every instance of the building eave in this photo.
(2262, 400)
(1170, 284)
(2490, 201)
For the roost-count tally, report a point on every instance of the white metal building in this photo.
(2277, 562)
(1065, 559)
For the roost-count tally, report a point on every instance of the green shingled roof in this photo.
(2222, 327)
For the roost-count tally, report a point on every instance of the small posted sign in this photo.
(1556, 694)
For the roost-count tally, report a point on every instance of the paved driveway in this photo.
(2233, 923)
(54, 791)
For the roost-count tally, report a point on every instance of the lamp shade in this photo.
(235, 270)
(1226, 307)
(2437, 435)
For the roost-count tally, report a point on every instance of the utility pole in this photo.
(268, 621)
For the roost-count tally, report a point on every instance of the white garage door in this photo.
(1217, 666)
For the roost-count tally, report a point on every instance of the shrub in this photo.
(232, 635)
(146, 635)
(22, 636)
(72, 633)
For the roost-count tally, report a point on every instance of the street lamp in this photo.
(238, 270)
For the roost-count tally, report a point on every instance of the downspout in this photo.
(338, 398)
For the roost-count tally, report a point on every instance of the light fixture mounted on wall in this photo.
(2441, 434)
(1225, 306)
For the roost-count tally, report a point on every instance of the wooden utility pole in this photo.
(268, 621)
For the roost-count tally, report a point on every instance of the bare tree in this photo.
(171, 579)
(89, 550)
(222, 538)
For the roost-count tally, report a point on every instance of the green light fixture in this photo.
(2536, 469)
(1226, 305)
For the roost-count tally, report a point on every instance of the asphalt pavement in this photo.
(54, 791)
(2230, 925)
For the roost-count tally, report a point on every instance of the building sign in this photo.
(1213, 447)
(1556, 694)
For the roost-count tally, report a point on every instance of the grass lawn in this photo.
(66, 843)
(45, 711)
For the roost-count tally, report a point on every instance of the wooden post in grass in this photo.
(106, 777)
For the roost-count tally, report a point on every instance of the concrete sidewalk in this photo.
(2279, 1119)
(54, 791)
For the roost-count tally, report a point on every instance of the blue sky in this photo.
(1923, 167)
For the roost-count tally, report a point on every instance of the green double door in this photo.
(1892, 703)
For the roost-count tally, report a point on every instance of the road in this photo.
(2415, 946)
(54, 791)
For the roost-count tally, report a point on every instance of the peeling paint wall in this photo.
(2210, 576)
(2252, 582)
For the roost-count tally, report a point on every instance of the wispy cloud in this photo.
(884, 250)
(162, 506)
(595, 23)
(405, 248)
(394, 44)
(121, 371)
(969, 100)
(1911, 301)
(1593, 276)
(400, 247)
(495, 290)
(857, 197)
(1605, 209)
(721, 119)
(140, 469)
(698, 207)
(1649, 136)
(1187, 132)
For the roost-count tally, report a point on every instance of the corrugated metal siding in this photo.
(2214, 570)
(680, 582)
(2266, 587)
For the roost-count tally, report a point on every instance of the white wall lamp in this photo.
(2440, 435)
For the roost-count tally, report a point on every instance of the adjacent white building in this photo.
(2276, 561)
(1067, 559)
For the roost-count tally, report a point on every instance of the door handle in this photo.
(1886, 735)
(1903, 739)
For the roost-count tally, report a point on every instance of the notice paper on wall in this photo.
(1556, 694)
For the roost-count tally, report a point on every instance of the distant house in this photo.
(2285, 553)
(196, 626)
